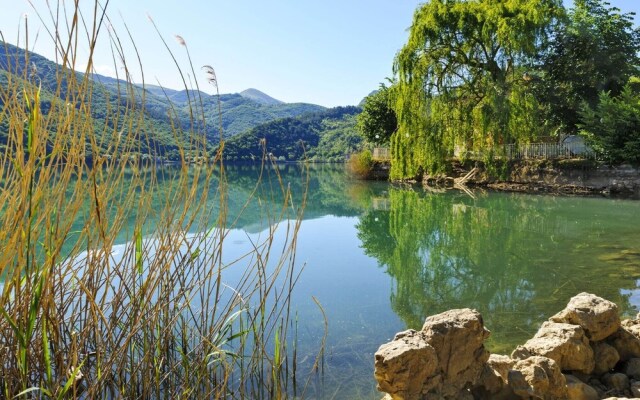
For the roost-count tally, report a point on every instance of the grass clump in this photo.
(84, 316)
(361, 164)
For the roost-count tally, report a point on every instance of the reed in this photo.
(84, 316)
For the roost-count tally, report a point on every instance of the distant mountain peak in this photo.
(259, 97)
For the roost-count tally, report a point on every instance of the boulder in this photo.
(606, 357)
(538, 377)
(493, 380)
(458, 337)
(443, 360)
(626, 344)
(632, 326)
(597, 316)
(501, 364)
(578, 390)
(405, 367)
(632, 368)
(617, 382)
(635, 389)
(566, 344)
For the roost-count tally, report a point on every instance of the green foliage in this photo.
(361, 163)
(612, 127)
(462, 79)
(323, 136)
(338, 138)
(378, 120)
(595, 50)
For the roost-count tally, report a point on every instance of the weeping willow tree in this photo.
(463, 81)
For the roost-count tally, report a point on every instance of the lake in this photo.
(379, 258)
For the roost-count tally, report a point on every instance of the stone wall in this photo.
(583, 352)
(556, 176)
(622, 179)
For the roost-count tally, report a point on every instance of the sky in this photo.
(327, 52)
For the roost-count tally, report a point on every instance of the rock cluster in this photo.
(584, 352)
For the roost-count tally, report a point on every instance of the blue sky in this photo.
(328, 52)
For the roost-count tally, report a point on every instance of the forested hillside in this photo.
(324, 136)
(166, 118)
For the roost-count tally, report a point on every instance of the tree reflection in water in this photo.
(517, 259)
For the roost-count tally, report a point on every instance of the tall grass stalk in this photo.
(154, 318)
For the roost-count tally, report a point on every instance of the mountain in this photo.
(166, 110)
(259, 97)
(151, 133)
(328, 135)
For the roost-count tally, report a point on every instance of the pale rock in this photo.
(566, 344)
(632, 326)
(597, 316)
(606, 357)
(458, 337)
(405, 367)
(443, 361)
(501, 364)
(619, 398)
(490, 381)
(493, 380)
(632, 368)
(578, 390)
(538, 377)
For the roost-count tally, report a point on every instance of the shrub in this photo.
(612, 128)
(361, 164)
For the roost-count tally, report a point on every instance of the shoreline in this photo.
(564, 177)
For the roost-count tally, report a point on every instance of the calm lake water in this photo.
(380, 258)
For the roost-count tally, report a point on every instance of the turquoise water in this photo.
(379, 258)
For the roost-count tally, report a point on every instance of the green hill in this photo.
(323, 136)
(240, 112)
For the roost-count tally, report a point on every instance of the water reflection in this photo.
(517, 259)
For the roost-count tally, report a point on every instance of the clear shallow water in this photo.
(380, 258)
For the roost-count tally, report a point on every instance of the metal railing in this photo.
(381, 153)
(548, 150)
(522, 151)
